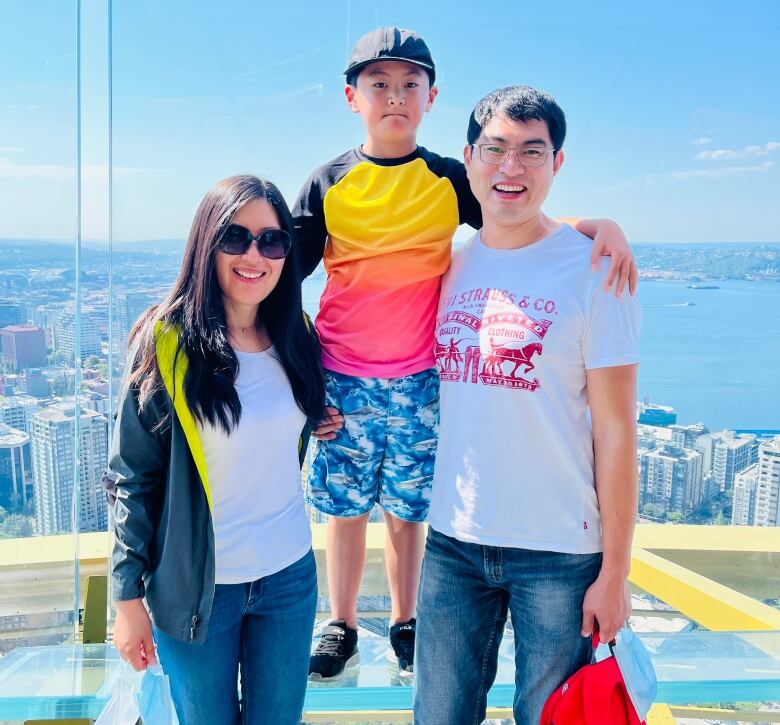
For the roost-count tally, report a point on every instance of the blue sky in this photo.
(673, 108)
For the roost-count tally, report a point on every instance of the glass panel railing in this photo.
(702, 667)
(49, 450)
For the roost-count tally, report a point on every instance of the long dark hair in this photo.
(195, 307)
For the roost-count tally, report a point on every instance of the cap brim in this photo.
(357, 67)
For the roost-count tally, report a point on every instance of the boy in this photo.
(387, 211)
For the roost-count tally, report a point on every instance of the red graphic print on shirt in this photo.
(494, 343)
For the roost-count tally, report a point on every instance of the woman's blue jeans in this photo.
(262, 630)
(465, 593)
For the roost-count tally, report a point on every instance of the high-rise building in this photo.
(743, 501)
(732, 454)
(671, 476)
(130, 306)
(35, 383)
(90, 334)
(46, 318)
(705, 444)
(15, 470)
(768, 484)
(686, 436)
(94, 400)
(53, 437)
(23, 347)
(17, 411)
(12, 313)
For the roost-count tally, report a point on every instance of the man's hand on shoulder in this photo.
(608, 603)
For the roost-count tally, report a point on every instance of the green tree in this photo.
(15, 526)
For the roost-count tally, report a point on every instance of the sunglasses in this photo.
(272, 243)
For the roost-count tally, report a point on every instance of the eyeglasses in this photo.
(271, 243)
(497, 154)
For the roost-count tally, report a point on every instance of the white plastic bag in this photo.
(637, 670)
(155, 704)
(122, 707)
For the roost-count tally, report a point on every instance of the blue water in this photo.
(717, 361)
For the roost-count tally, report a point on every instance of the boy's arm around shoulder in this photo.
(469, 211)
(136, 469)
(609, 241)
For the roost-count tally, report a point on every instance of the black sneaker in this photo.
(402, 645)
(336, 651)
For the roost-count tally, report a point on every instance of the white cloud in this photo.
(59, 172)
(721, 173)
(703, 141)
(10, 149)
(14, 106)
(656, 179)
(749, 152)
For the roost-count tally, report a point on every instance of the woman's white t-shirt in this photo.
(260, 524)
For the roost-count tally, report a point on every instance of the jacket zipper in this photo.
(195, 620)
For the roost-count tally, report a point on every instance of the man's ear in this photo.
(352, 101)
(467, 158)
(433, 91)
(557, 162)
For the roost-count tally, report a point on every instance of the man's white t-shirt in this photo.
(260, 523)
(516, 331)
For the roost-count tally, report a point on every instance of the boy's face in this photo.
(392, 96)
(510, 193)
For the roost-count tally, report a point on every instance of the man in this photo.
(535, 491)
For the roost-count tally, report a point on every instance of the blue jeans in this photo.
(264, 628)
(465, 592)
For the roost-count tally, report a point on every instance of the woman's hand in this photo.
(133, 634)
(327, 428)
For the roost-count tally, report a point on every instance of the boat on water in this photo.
(703, 286)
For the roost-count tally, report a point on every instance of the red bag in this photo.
(594, 695)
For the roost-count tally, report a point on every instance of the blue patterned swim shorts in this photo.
(386, 450)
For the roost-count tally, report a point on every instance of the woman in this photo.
(204, 475)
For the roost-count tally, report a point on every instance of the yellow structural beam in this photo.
(48, 550)
(673, 537)
(708, 713)
(712, 605)
(394, 716)
(660, 715)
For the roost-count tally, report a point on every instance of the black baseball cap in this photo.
(390, 43)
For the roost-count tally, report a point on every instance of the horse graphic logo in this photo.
(519, 356)
(493, 372)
